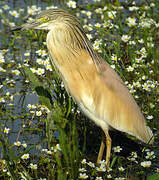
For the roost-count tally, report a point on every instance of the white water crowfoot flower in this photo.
(24, 145)
(146, 164)
(5, 7)
(25, 156)
(119, 178)
(38, 113)
(17, 143)
(101, 169)
(83, 161)
(102, 162)
(130, 69)
(2, 70)
(40, 71)
(109, 176)
(150, 155)
(41, 52)
(6, 130)
(125, 38)
(32, 10)
(14, 13)
(83, 176)
(114, 58)
(121, 169)
(99, 178)
(16, 72)
(39, 61)
(71, 4)
(131, 21)
(91, 164)
(33, 166)
(82, 170)
(117, 149)
(112, 14)
(31, 106)
(57, 148)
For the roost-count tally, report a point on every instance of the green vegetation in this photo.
(43, 135)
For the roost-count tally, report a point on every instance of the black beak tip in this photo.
(16, 29)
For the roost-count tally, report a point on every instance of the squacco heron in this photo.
(94, 85)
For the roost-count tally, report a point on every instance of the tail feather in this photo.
(147, 136)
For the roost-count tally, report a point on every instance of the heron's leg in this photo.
(108, 144)
(101, 150)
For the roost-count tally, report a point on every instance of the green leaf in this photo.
(43, 93)
(153, 177)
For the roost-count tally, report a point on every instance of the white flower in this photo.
(113, 66)
(146, 163)
(41, 52)
(146, 23)
(150, 117)
(24, 145)
(48, 67)
(125, 38)
(14, 13)
(83, 161)
(99, 10)
(101, 168)
(134, 154)
(6, 130)
(2, 60)
(145, 86)
(89, 13)
(71, 4)
(130, 69)
(17, 143)
(27, 54)
(99, 178)
(83, 176)
(132, 42)
(89, 36)
(33, 166)
(133, 8)
(131, 21)
(91, 164)
(150, 155)
(2, 100)
(33, 70)
(117, 149)
(31, 106)
(114, 58)
(49, 152)
(102, 162)
(40, 71)
(16, 72)
(112, 14)
(97, 25)
(141, 41)
(82, 170)
(33, 10)
(39, 61)
(5, 7)
(2, 70)
(38, 113)
(57, 147)
(25, 156)
(109, 176)
(121, 169)
(44, 150)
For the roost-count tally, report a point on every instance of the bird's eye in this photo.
(43, 19)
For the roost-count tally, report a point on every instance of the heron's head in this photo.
(65, 31)
(48, 19)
